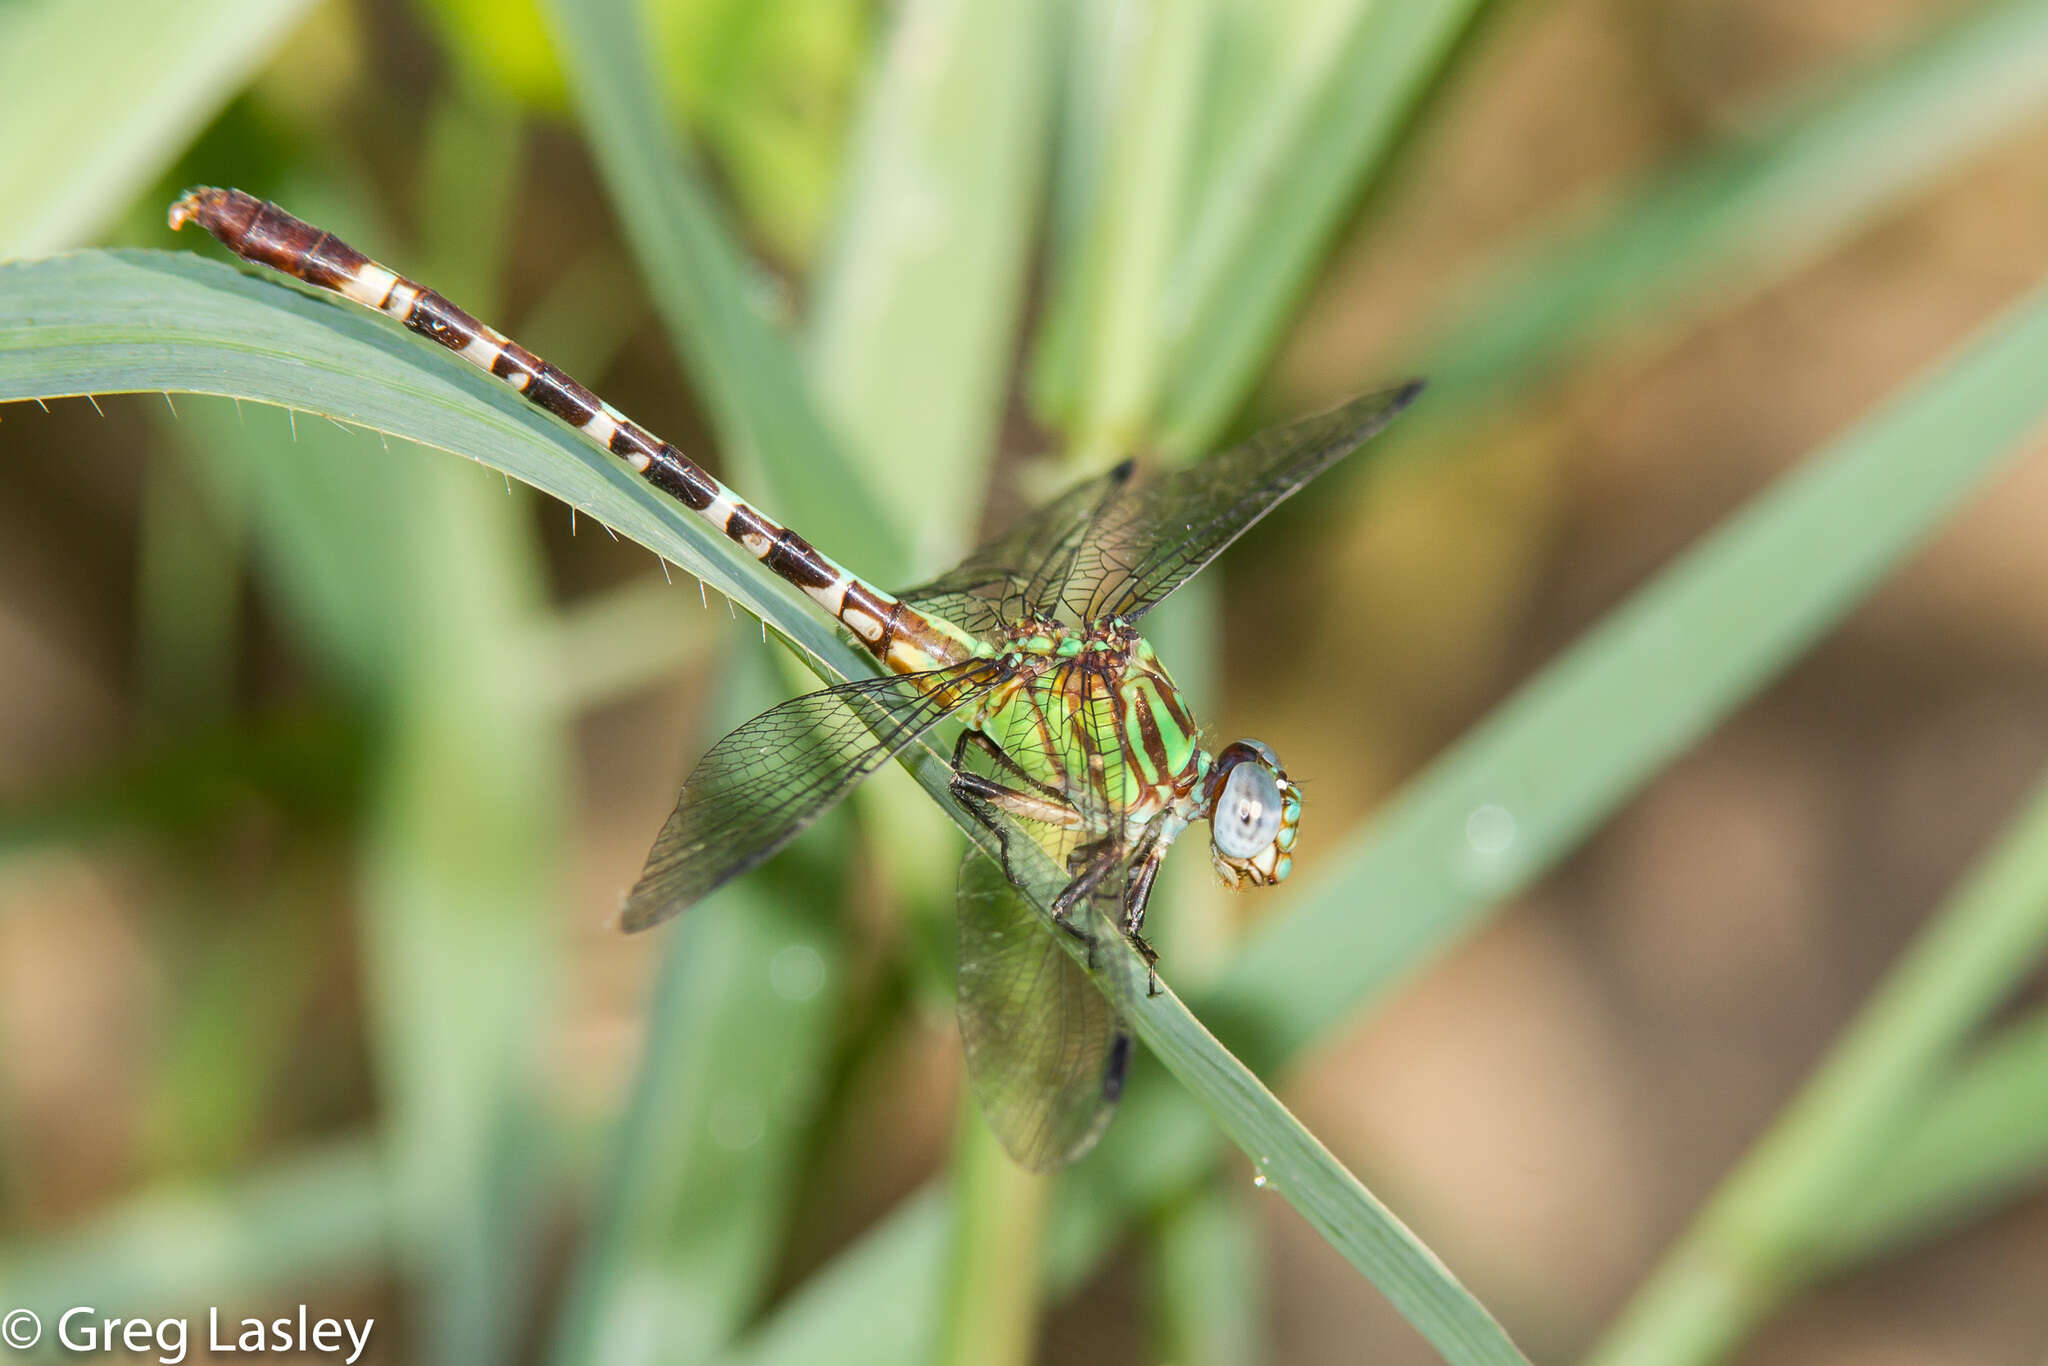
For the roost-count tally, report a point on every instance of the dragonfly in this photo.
(1076, 751)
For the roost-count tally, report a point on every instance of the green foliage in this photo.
(101, 292)
(1190, 166)
(102, 94)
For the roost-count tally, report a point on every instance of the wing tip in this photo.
(637, 913)
(1408, 391)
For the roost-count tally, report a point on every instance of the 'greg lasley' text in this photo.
(344, 1338)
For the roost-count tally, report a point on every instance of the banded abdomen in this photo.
(903, 639)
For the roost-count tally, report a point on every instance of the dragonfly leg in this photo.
(1137, 895)
(983, 797)
(1089, 864)
(1003, 760)
(1036, 802)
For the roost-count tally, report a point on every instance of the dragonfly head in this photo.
(1253, 812)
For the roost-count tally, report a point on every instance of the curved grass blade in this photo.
(99, 322)
(102, 322)
(1286, 1157)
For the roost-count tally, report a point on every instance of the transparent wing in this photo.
(756, 789)
(1023, 569)
(1046, 1055)
(1151, 539)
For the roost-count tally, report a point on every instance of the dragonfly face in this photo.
(1253, 814)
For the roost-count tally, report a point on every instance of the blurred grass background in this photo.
(323, 765)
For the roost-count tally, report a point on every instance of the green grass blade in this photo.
(690, 1220)
(915, 312)
(770, 91)
(711, 296)
(102, 94)
(1791, 565)
(317, 1218)
(1209, 1301)
(989, 1315)
(1755, 209)
(106, 321)
(1547, 766)
(1980, 1135)
(1111, 290)
(133, 321)
(1754, 1243)
(1280, 193)
(1096, 61)
(463, 876)
(1292, 1163)
(874, 1305)
(707, 1157)
(465, 834)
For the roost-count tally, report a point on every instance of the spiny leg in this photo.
(1145, 861)
(1004, 760)
(1089, 866)
(1044, 805)
(983, 797)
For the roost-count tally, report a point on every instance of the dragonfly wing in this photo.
(756, 789)
(1046, 1055)
(1153, 538)
(1022, 570)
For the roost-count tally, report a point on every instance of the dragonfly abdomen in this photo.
(904, 639)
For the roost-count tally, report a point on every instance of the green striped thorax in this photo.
(1091, 714)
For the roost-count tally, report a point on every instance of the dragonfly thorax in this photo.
(1090, 713)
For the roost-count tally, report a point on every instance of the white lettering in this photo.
(79, 1331)
(82, 1329)
(90, 1342)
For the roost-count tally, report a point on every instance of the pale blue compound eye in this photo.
(1247, 814)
